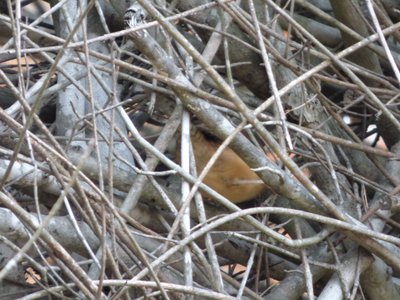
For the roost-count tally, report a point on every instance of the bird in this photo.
(230, 176)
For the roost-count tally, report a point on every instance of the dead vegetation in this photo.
(199, 149)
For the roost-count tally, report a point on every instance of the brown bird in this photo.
(230, 176)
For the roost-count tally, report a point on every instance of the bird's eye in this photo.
(134, 15)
